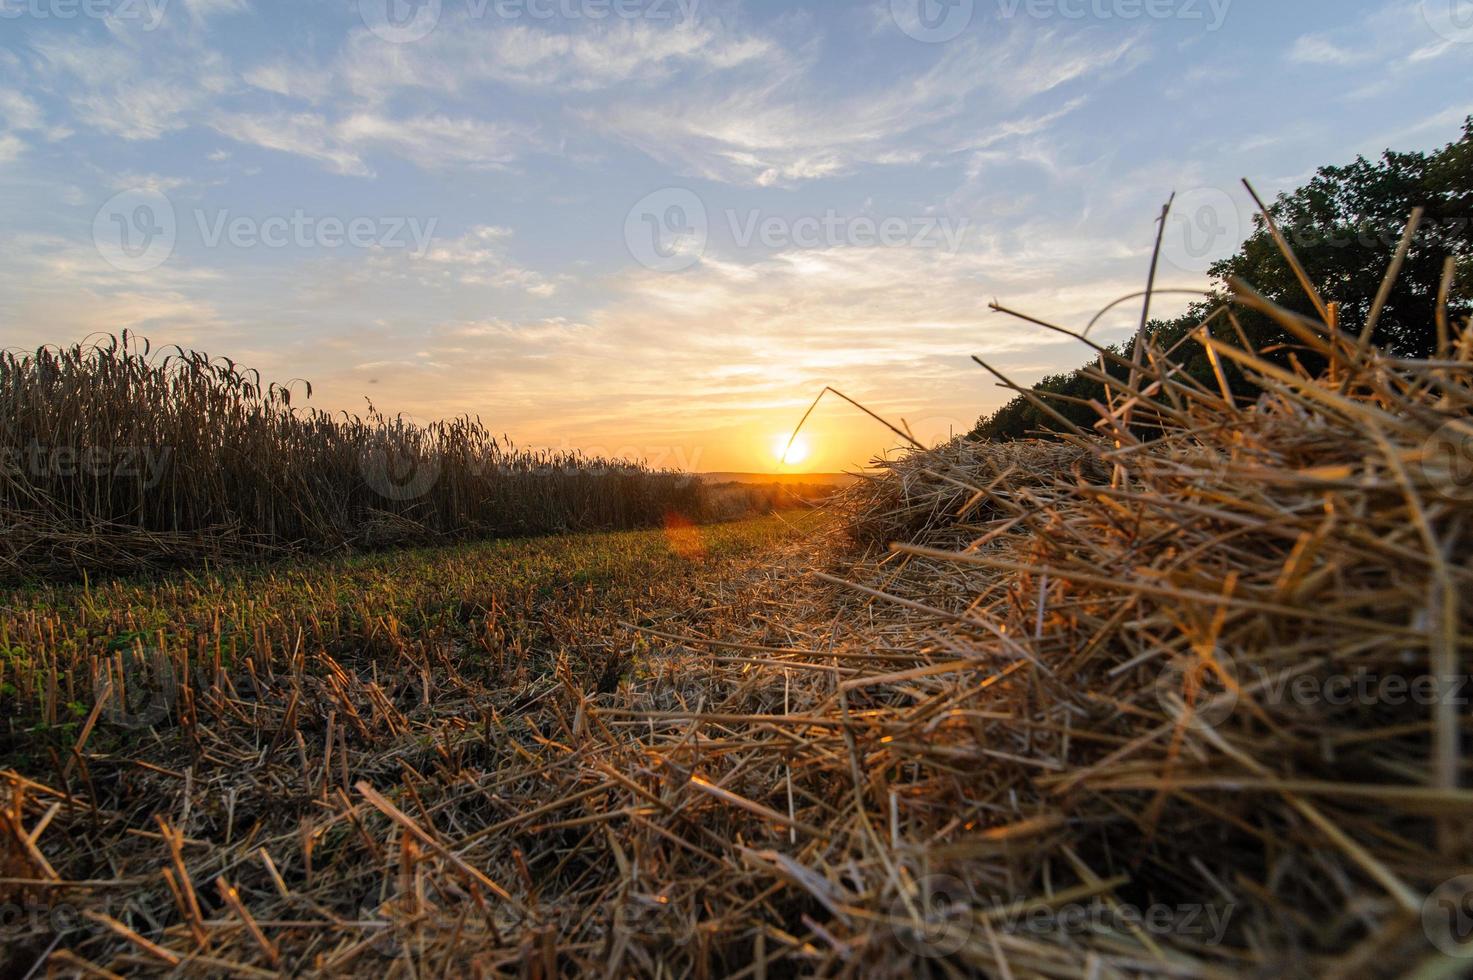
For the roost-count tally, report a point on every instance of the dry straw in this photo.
(1053, 731)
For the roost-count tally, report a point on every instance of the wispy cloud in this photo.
(431, 142)
(11, 147)
(138, 85)
(20, 114)
(293, 81)
(464, 53)
(1316, 49)
(1386, 39)
(780, 126)
(304, 134)
(436, 142)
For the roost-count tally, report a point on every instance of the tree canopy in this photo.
(1344, 226)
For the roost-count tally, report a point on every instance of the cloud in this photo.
(892, 327)
(139, 85)
(290, 80)
(436, 142)
(303, 134)
(461, 60)
(1316, 49)
(202, 10)
(58, 289)
(1393, 37)
(465, 52)
(146, 110)
(19, 111)
(21, 115)
(477, 258)
(779, 126)
(11, 147)
(430, 142)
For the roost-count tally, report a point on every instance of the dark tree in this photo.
(1344, 225)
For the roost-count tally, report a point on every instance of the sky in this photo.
(659, 228)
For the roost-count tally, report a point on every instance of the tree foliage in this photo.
(1345, 226)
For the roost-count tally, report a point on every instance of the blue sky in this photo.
(660, 227)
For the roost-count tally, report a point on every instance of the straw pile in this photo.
(1083, 720)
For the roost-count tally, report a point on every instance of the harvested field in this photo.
(1086, 716)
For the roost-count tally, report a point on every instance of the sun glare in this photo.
(790, 455)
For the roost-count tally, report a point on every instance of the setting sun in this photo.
(790, 454)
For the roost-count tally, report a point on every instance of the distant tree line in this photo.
(1345, 226)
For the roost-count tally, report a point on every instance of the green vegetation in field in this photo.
(491, 612)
